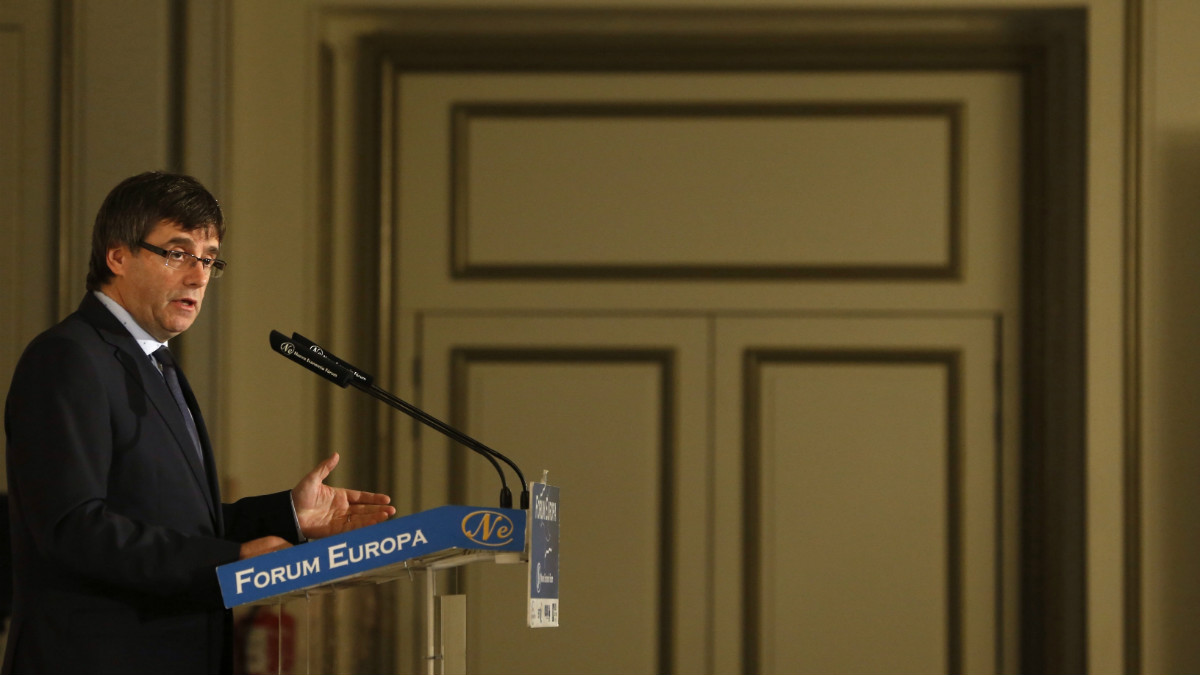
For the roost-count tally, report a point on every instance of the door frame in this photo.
(1047, 47)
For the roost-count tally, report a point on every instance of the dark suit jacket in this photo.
(116, 525)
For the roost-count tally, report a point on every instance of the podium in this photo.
(441, 538)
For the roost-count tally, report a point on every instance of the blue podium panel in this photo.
(543, 556)
(378, 552)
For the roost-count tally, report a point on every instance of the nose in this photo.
(196, 276)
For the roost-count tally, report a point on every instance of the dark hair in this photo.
(138, 204)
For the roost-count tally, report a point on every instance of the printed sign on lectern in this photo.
(377, 552)
(543, 556)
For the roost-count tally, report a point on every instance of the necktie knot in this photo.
(164, 357)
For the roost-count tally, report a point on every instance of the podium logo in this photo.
(287, 348)
(488, 528)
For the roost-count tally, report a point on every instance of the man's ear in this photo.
(118, 258)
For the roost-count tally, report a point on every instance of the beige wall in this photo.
(265, 166)
(1170, 333)
(28, 162)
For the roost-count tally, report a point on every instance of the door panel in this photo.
(860, 455)
(548, 188)
(539, 190)
(614, 411)
(839, 503)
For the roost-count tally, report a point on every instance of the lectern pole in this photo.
(431, 657)
(446, 621)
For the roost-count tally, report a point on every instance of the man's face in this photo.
(163, 300)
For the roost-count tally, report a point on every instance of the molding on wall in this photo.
(67, 141)
(12, 54)
(1054, 600)
(1135, 205)
(464, 267)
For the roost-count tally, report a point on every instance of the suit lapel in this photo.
(142, 369)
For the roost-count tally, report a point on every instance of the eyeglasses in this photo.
(177, 259)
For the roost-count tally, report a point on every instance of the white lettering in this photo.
(283, 573)
(544, 509)
(341, 555)
(337, 556)
(242, 577)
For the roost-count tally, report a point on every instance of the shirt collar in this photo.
(143, 338)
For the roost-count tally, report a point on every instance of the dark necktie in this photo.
(167, 361)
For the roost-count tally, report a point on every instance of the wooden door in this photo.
(782, 494)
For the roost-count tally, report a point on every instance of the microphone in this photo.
(329, 370)
(312, 356)
(359, 376)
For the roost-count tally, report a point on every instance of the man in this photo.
(117, 523)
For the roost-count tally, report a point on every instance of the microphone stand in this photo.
(330, 367)
(434, 423)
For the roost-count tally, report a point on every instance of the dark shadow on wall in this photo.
(1174, 322)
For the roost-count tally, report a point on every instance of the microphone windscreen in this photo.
(284, 345)
(359, 377)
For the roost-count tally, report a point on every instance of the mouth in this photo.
(188, 304)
